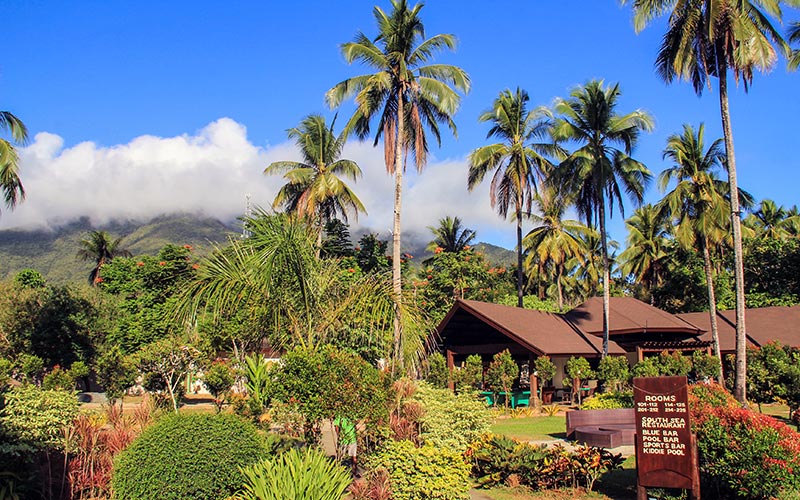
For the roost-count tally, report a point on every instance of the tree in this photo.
(771, 221)
(10, 183)
(614, 372)
(314, 187)
(449, 236)
(697, 205)
(101, 249)
(219, 379)
(706, 38)
(518, 163)
(556, 240)
(407, 95)
(646, 254)
(502, 372)
(598, 171)
(578, 370)
(165, 365)
(794, 36)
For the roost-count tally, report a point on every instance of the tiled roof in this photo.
(627, 315)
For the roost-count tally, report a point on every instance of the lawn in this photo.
(531, 428)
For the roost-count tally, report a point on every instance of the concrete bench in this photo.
(606, 428)
(594, 436)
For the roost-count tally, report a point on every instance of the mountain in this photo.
(53, 252)
(498, 256)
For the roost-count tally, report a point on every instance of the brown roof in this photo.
(627, 315)
(726, 330)
(539, 331)
(769, 324)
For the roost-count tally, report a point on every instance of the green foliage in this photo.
(674, 363)
(545, 369)
(438, 374)
(36, 418)
(451, 421)
(496, 458)
(164, 364)
(371, 254)
(182, 456)
(646, 368)
(115, 372)
(773, 374)
(706, 366)
(530, 302)
(743, 454)
(29, 278)
(770, 266)
(502, 372)
(58, 379)
(295, 475)
(219, 379)
(613, 371)
(30, 367)
(336, 241)
(608, 401)
(578, 369)
(470, 375)
(422, 473)
(257, 376)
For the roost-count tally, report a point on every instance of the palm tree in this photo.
(705, 39)
(773, 222)
(794, 36)
(450, 236)
(408, 96)
(518, 162)
(698, 203)
(100, 248)
(646, 255)
(555, 240)
(598, 171)
(10, 183)
(314, 188)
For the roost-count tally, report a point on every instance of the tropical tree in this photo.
(598, 171)
(450, 236)
(794, 36)
(518, 162)
(706, 38)
(10, 183)
(773, 222)
(100, 248)
(314, 188)
(555, 240)
(646, 253)
(407, 95)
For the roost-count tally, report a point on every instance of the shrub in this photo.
(422, 473)
(502, 372)
(181, 456)
(545, 369)
(35, 417)
(613, 371)
(437, 370)
(608, 401)
(295, 475)
(743, 454)
(219, 379)
(451, 421)
(471, 374)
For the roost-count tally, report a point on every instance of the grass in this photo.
(531, 428)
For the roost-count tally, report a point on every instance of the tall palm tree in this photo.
(699, 202)
(773, 222)
(100, 248)
(314, 188)
(408, 95)
(598, 171)
(10, 183)
(555, 240)
(706, 38)
(519, 162)
(450, 236)
(794, 36)
(646, 253)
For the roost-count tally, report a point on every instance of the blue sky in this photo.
(178, 105)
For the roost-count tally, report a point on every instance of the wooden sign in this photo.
(666, 455)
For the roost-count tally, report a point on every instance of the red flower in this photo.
(351, 270)
(98, 279)
(188, 247)
(162, 263)
(140, 264)
(195, 266)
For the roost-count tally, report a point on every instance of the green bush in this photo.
(422, 473)
(437, 370)
(451, 421)
(743, 454)
(470, 375)
(608, 401)
(182, 456)
(36, 418)
(295, 475)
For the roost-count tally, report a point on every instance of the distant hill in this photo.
(53, 252)
(498, 255)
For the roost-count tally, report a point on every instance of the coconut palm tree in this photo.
(646, 253)
(10, 183)
(601, 168)
(706, 38)
(407, 95)
(450, 236)
(519, 163)
(314, 188)
(771, 221)
(794, 36)
(100, 248)
(555, 240)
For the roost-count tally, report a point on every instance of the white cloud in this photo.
(210, 172)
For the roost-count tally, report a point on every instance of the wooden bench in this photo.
(606, 428)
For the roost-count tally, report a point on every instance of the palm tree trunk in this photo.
(606, 275)
(397, 287)
(519, 250)
(712, 304)
(740, 388)
(558, 287)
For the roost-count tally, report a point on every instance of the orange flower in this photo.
(195, 266)
(162, 263)
(438, 250)
(188, 247)
(351, 270)
(140, 264)
(98, 279)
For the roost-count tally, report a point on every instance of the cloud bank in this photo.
(211, 172)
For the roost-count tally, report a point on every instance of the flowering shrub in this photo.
(743, 454)
(608, 400)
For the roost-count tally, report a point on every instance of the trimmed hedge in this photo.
(182, 456)
(608, 401)
(451, 421)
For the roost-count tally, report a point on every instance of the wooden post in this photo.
(450, 367)
(534, 384)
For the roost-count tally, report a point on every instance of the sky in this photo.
(136, 109)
